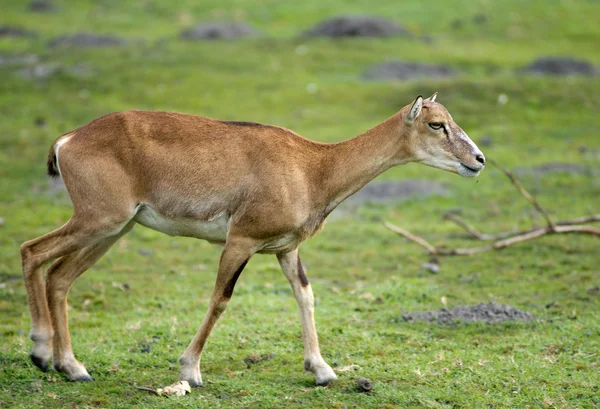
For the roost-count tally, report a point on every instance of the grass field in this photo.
(133, 314)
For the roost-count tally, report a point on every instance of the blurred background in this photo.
(520, 77)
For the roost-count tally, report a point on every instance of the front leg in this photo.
(234, 257)
(313, 361)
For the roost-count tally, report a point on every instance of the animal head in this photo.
(436, 140)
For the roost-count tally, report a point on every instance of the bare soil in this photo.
(560, 66)
(14, 31)
(395, 191)
(404, 70)
(218, 31)
(87, 40)
(42, 6)
(558, 167)
(356, 26)
(490, 313)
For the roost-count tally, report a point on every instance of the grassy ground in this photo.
(363, 276)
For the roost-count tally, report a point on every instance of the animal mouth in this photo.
(474, 170)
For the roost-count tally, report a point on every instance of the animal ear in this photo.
(432, 98)
(415, 110)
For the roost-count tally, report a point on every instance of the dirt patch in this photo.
(13, 31)
(356, 26)
(403, 70)
(560, 66)
(218, 31)
(47, 70)
(18, 59)
(557, 167)
(255, 359)
(388, 191)
(39, 71)
(87, 40)
(42, 6)
(490, 313)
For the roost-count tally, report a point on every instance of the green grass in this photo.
(363, 276)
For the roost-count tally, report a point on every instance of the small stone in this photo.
(1, 221)
(364, 385)
(145, 252)
(267, 357)
(431, 267)
(251, 359)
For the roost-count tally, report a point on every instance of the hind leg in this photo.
(60, 278)
(77, 233)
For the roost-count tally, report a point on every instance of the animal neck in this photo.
(351, 164)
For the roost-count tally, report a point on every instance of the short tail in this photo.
(52, 162)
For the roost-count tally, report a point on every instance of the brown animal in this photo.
(251, 187)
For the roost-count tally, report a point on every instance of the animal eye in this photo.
(435, 125)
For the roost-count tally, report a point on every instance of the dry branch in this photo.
(525, 193)
(491, 237)
(504, 240)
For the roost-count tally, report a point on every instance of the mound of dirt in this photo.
(356, 26)
(557, 167)
(560, 66)
(18, 59)
(87, 40)
(39, 71)
(490, 313)
(46, 70)
(388, 191)
(42, 6)
(402, 70)
(13, 31)
(218, 31)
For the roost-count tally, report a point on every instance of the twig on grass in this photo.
(491, 237)
(146, 389)
(504, 240)
(525, 193)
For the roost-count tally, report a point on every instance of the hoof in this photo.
(195, 380)
(41, 363)
(325, 378)
(190, 372)
(323, 372)
(195, 384)
(74, 370)
(82, 378)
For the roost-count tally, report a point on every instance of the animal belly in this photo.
(213, 230)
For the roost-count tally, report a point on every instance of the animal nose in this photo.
(480, 158)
